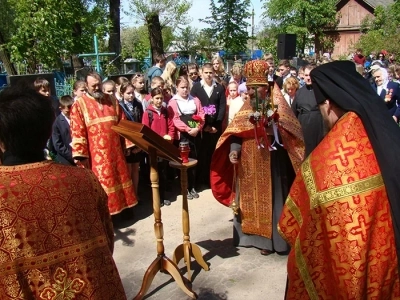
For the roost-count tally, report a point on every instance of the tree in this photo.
(228, 25)
(6, 30)
(309, 19)
(135, 41)
(158, 14)
(114, 42)
(382, 31)
(47, 30)
(186, 40)
(207, 42)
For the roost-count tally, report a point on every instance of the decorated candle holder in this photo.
(184, 150)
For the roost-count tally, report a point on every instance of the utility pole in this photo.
(252, 31)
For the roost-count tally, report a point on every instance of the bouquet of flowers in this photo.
(388, 95)
(265, 116)
(210, 112)
(196, 121)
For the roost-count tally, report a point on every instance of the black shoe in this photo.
(189, 196)
(167, 202)
(194, 193)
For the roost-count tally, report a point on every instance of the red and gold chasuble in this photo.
(56, 235)
(337, 219)
(92, 137)
(253, 173)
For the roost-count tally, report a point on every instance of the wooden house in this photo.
(352, 12)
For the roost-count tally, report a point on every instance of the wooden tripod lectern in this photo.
(155, 146)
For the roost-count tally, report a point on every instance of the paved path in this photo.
(235, 272)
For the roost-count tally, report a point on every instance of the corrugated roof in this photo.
(375, 3)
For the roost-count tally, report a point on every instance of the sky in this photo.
(199, 10)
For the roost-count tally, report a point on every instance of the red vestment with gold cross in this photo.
(338, 222)
(253, 173)
(93, 138)
(56, 235)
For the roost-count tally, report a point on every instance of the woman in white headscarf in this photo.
(387, 90)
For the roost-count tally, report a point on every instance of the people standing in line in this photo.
(156, 116)
(187, 115)
(342, 216)
(133, 111)
(61, 134)
(213, 100)
(59, 237)
(306, 110)
(97, 147)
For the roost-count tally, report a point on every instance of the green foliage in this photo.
(186, 40)
(228, 25)
(171, 12)
(306, 18)
(207, 42)
(135, 41)
(44, 29)
(266, 39)
(381, 32)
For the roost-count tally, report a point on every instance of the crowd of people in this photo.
(302, 155)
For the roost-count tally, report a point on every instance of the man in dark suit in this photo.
(61, 136)
(212, 97)
(388, 91)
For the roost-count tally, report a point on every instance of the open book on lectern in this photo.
(145, 138)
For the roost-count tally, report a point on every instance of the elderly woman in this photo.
(387, 90)
(237, 74)
(290, 87)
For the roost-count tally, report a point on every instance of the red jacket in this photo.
(162, 124)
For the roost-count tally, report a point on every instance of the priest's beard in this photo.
(96, 95)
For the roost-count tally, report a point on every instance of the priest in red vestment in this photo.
(258, 182)
(96, 146)
(56, 235)
(342, 216)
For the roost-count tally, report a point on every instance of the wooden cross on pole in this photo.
(96, 54)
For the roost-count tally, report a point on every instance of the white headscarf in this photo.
(385, 80)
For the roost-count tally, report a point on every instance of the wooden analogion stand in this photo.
(156, 146)
(187, 249)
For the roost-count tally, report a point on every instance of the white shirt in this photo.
(235, 105)
(65, 117)
(186, 106)
(209, 89)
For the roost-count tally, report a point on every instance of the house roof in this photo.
(375, 3)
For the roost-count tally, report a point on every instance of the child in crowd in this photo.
(133, 111)
(233, 101)
(61, 136)
(138, 83)
(193, 74)
(157, 81)
(183, 108)
(79, 89)
(42, 86)
(118, 84)
(156, 117)
(109, 87)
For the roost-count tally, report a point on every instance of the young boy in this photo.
(61, 136)
(109, 87)
(42, 86)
